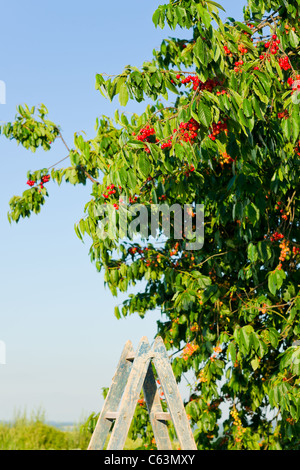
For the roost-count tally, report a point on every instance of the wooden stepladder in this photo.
(133, 373)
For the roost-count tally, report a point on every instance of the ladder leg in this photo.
(173, 398)
(159, 427)
(130, 396)
(112, 400)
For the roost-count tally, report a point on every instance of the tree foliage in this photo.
(222, 130)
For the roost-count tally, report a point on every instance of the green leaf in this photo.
(114, 277)
(144, 165)
(156, 17)
(171, 87)
(201, 52)
(117, 313)
(245, 338)
(257, 108)
(204, 114)
(123, 94)
(259, 346)
(261, 94)
(264, 251)
(131, 179)
(204, 15)
(215, 4)
(244, 27)
(78, 232)
(247, 107)
(232, 351)
(209, 292)
(296, 121)
(252, 212)
(287, 127)
(294, 40)
(243, 121)
(275, 280)
(255, 363)
(203, 281)
(264, 80)
(273, 337)
(252, 253)
(122, 176)
(193, 410)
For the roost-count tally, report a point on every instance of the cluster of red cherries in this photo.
(283, 114)
(276, 237)
(285, 250)
(273, 45)
(227, 51)
(209, 85)
(189, 79)
(284, 63)
(225, 159)
(44, 180)
(217, 128)
(110, 190)
(295, 84)
(145, 136)
(187, 132)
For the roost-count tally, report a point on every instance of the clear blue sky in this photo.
(56, 318)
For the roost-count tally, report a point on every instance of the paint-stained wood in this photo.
(154, 407)
(131, 395)
(112, 400)
(163, 416)
(172, 395)
(111, 415)
(135, 371)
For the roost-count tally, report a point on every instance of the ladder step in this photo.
(130, 357)
(162, 416)
(111, 415)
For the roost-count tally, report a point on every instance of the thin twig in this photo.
(264, 22)
(60, 135)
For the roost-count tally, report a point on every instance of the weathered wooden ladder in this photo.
(133, 373)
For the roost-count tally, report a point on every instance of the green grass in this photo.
(34, 433)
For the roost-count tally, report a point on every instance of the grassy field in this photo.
(33, 433)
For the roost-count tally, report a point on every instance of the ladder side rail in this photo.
(160, 429)
(112, 400)
(172, 395)
(130, 396)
